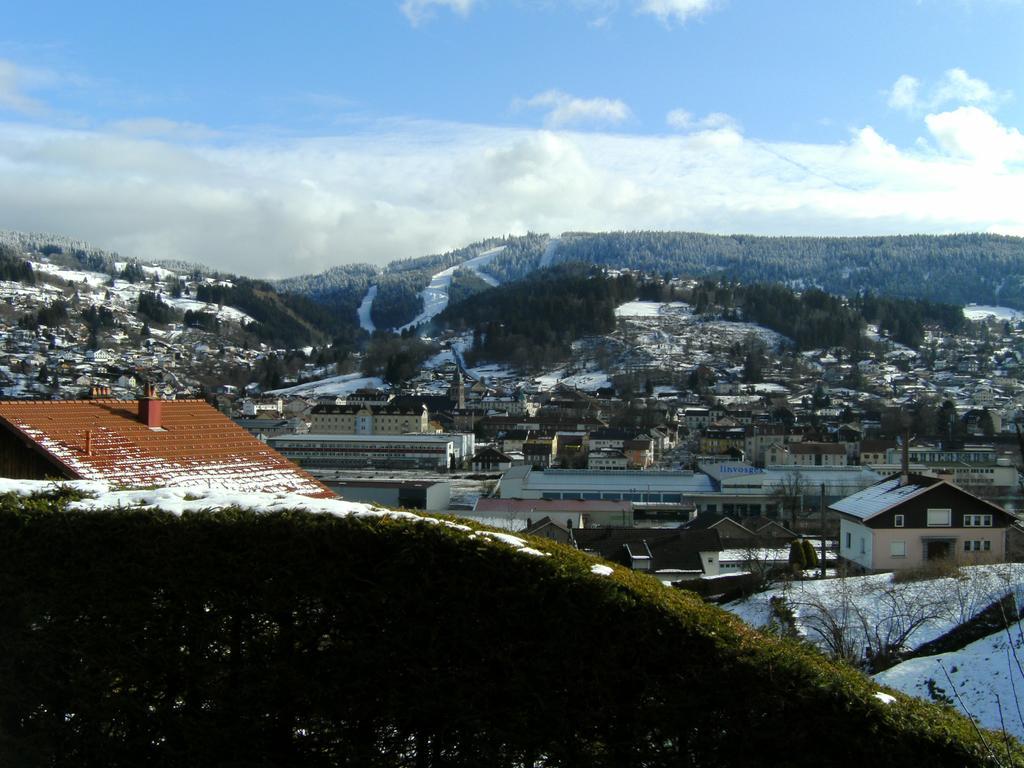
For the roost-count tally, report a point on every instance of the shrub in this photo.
(810, 555)
(796, 555)
(132, 637)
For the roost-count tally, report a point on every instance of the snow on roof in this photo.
(195, 446)
(881, 496)
(595, 480)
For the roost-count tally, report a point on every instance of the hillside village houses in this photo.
(716, 444)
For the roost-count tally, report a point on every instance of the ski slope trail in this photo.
(365, 322)
(549, 253)
(435, 295)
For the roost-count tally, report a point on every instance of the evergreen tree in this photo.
(796, 555)
(810, 555)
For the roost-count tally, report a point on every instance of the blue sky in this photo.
(273, 141)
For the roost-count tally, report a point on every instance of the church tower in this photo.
(457, 390)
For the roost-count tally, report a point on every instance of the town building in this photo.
(368, 420)
(519, 514)
(908, 520)
(142, 443)
(428, 495)
(325, 451)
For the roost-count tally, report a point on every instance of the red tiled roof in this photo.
(195, 446)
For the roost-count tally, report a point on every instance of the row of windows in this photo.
(899, 548)
(665, 498)
(942, 518)
(977, 521)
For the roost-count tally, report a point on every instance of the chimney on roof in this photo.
(150, 408)
(95, 391)
(88, 442)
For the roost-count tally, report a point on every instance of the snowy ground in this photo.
(983, 680)
(224, 313)
(335, 385)
(549, 253)
(988, 312)
(651, 309)
(435, 295)
(588, 381)
(92, 279)
(364, 310)
(985, 673)
(949, 601)
(127, 294)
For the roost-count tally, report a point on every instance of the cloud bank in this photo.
(283, 207)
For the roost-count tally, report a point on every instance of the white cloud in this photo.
(681, 120)
(958, 87)
(564, 109)
(904, 92)
(418, 11)
(679, 11)
(276, 207)
(955, 87)
(15, 80)
(976, 136)
(160, 127)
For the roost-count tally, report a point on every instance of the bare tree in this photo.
(865, 623)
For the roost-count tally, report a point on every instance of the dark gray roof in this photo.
(670, 548)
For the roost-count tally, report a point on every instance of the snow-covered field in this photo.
(651, 309)
(984, 680)
(986, 312)
(947, 601)
(92, 279)
(224, 314)
(588, 381)
(862, 611)
(335, 385)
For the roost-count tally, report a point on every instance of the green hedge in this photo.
(136, 638)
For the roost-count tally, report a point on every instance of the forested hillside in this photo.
(520, 257)
(955, 269)
(533, 322)
(289, 319)
(339, 289)
(814, 319)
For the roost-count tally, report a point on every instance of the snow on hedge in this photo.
(100, 495)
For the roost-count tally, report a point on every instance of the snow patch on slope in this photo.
(435, 295)
(338, 386)
(365, 322)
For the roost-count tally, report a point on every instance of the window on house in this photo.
(987, 546)
(863, 545)
(898, 521)
(898, 548)
(938, 518)
(977, 521)
(849, 540)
